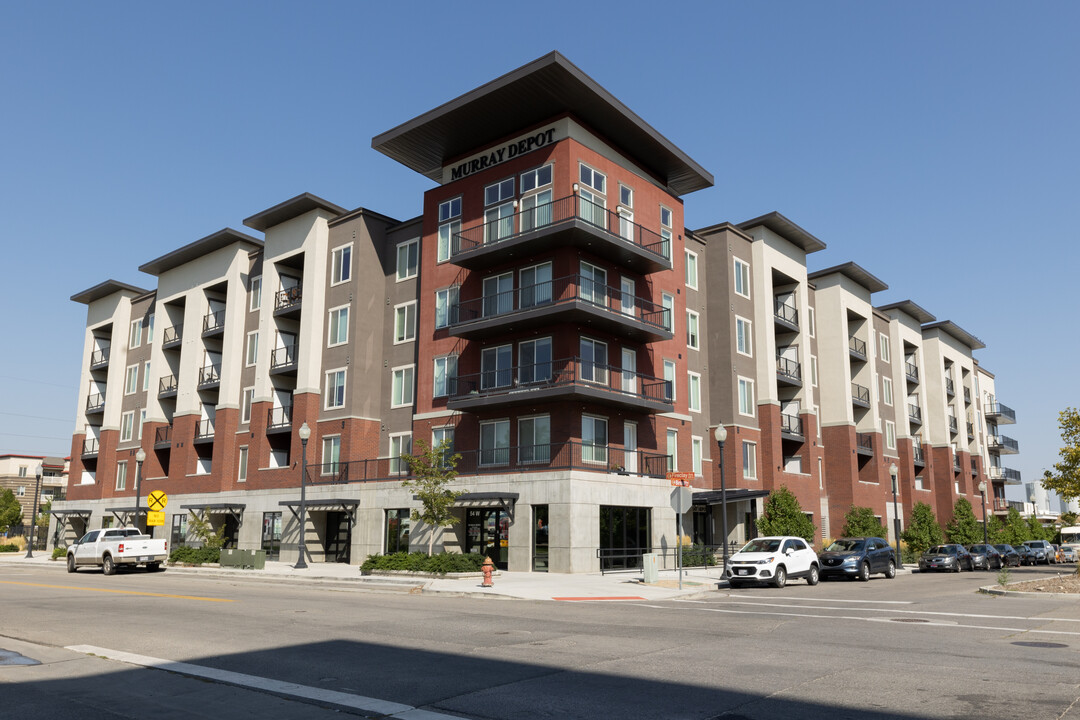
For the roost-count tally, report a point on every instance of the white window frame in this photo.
(131, 379)
(121, 477)
(593, 174)
(671, 444)
(447, 361)
(600, 372)
(534, 445)
(150, 328)
(883, 348)
(410, 332)
(494, 450)
(693, 391)
(749, 460)
(667, 302)
(749, 383)
(691, 259)
(344, 388)
(449, 225)
(251, 354)
(697, 454)
(242, 458)
(672, 366)
(890, 435)
(693, 337)
(407, 372)
(127, 426)
(247, 400)
(448, 297)
(813, 371)
(135, 336)
(667, 219)
(334, 323)
(146, 376)
(335, 440)
(811, 321)
(742, 277)
(886, 390)
(255, 293)
(396, 464)
(747, 336)
(142, 421)
(409, 273)
(592, 449)
(341, 268)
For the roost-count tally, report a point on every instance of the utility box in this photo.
(260, 559)
(229, 558)
(650, 566)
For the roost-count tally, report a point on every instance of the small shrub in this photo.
(195, 556)
(697, 556)
(1003, 576)
(10, 547)
(421, 562)
(58, 553)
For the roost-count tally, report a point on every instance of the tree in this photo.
(10, 510)
(1035, 529)
(1069, 519)
(1015, 531)
(995, 529)
(43, 516)
(924, 532)
(204, 531)
(963, 529)
(861, 522)
(432, 471)
(1065, 477)
(784, 516)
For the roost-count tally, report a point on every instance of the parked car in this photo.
(1068, 554)
(111, 548)
(1009, 555)
(953, 558)
(858, 558)
(1044, 551)
(1027, 555)
(773, 560)
(985, 557)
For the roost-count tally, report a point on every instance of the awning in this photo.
(124, 514)
(716, 497)
(325, 505)
(204, 509)
(505, 501)
(62, 515)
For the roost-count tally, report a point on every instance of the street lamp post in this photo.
(721, 435)
(982, 492)
(894, 473)
(140, 457)
(305, 433)
(33, 518)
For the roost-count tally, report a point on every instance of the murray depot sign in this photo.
(502, 153)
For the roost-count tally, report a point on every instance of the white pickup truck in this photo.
(109, 548)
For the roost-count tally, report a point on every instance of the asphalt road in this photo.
(919, 646)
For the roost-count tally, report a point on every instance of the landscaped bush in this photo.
(11, 547)
(420, 562)
(195, 556)
(697, 556)
(58, 553)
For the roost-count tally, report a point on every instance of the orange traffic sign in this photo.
(680, 479)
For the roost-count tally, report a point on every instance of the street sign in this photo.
(155, 518)
(680, 479)
(157, 500)
(681, 498)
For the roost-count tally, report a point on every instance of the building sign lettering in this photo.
(501, 154)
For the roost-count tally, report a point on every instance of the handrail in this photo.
(278, 417)
(785, 312)
(167, 383)
(209, 374)
(95, 402)
(204, 429)
(214, 320)
(99, 357)
(912, 371)
(788, 368)
(90, 446)
(857, 346)
(287, 297)
(172, 334)
(283, 356)
(163, 434)
(791, 424)
(860, 393)
(864, 441)
(914, 412)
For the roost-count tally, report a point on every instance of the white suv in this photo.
(773, 560)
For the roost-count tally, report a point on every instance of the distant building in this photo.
(18, 473)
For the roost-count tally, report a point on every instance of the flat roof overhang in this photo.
(534, 93)
(959, 333)
(293, 207)
(204, 246)
(106, 289)
(854, 272)
(919, 314)
(784, 228)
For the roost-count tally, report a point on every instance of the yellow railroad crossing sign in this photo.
(157, 500)
(155, 518)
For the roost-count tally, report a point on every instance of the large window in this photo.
(673, 449)
(255, 293)
(746, 397)
(668, 303)
(883, 345)
(535, 208)
(594, 439)
(697, 448)
(495, 442)
(694, 394)
(442, 435)
(593, 284)
(127, 426)
(146, 376)
(445, 376)
(692, 336)
(749, 460)
(400, 444)
(534, 286)
(498, 294)
(743, 340)
(131, 379)
(242, 464)
(495, 367)
(499, 215)
(886, 391)
(666, 231)
(136, 334)
(890, 435)
(449, 226)
(591, 190)
(150, 328)
(691, 270)
(341, 264)
(121, 475)
(401, 392)
(405, 322)
(251, 353)
(446, 301)
(331, 455)
(534, 361)
(534, 439)
(742, 278)
(594, 361)
(338, 331)
(245, 405)
(408, 259)
(669, 379)
(335, 389)
(397, 531)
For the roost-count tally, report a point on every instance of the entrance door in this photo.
(540, 538)
(231, 531)
(487, 533)
(624, 536)
(271, 535)
(338, 537)
(629, 431)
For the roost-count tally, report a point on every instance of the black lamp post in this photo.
(982, 492)
(33, 518)
(305, 433)
(140, 457)
(721, 435)
(894, 472)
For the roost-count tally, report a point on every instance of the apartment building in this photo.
(18, 473)
(547, 316)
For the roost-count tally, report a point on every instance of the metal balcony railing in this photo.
(791, 424)
(1003, 444)
(279, 417)
(95, 402)
(911, 372)
(90, 446)
(213, 321)
(950, 388)
(172, 334)
(952, 425)
(283, 357)
(914, 412)
(1002, 473)
(204, 429)
(1002, 413)
(1001, 503)
(857, 346)
(785, 312)
(99, 358)
(860, 394)
(288, 297)
(167, 384)
(971, 431)
(788, 368)
(163, 435)
(974, 467)
(209, 375)
(864, 442)
(917, 454)
(967, 395)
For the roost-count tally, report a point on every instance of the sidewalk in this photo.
(579, 587)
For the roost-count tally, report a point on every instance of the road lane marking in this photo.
(906, 612)
(613, 597)
(118, 592)
(879, 602)
(277, 687)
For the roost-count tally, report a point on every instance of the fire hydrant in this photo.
(487, 569)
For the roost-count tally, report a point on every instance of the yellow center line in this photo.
(119, 592)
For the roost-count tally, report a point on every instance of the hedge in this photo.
(421, 562)
(196, 556)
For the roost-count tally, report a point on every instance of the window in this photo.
(21, 491)
(499, 216)
(397, 531)
(449, 209)
(594, 439)
(142, 421)
(534, 179)
(400, 444)
(692, 319)
(495, 442)
(245, 405)
(673, 449)
(495, 367)
(136, 334)
(402, 388)
(694, 391)
(883, 344)
(446, 303)
(447, 231)
(445, 376)
(696, 452)
(626, 196)
(593, 179)
(890, 435)
(592, 206)
(746, 397)
(810, 321)
(534, 361)
(749, 460)
(22, 471)
(150, 329)
(131, 379)
(442, 435)
(341, 264)
(121, 475)
(668, 303)
(919, 483)
(146, 376)
(742, 278)
(408, 259)
(813, 370)
(691, 270)
(534, 286)
(593, 284)
(499, 192)
(498, 292)
(534, 439)
(886, 390)
(669, 379)
(338, 331)
(535, 207)
(255, 293)
(405, 322)
(127, 425)
(743, 341)
(252, 352)
(335, 389)
(626, 292)
(241, 470)
(331, 455)
(665, 231)
(594, 361)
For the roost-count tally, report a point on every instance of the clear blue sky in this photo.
(935, 144)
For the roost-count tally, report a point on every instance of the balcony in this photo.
(1001, 504)
(860, 395)
(914, 413)
(90, 447)
(287, 301)
(967, 395)
(1003, 474)
(95, 403)
(204, 431)
(788, 371)
(1001, 414)
(172, 337)
(283, 360)
(911, 372)
(950, 388)
(917, 455)
(209, 376)
(785, 315)
(163, 436)
(167, 386)
(568, 455)
(1002, 445)
(279, 419)
(952, 425)
(572, 299)
(568, 221)
(213, 323)
(857, 348)
(956, 462)
(971, 431)
(791, 427)
(565, 379)
(864, 444)
(974, 467)
(99, 359)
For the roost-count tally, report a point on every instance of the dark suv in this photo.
(858, 558)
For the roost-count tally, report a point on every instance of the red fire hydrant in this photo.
(487, 569)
